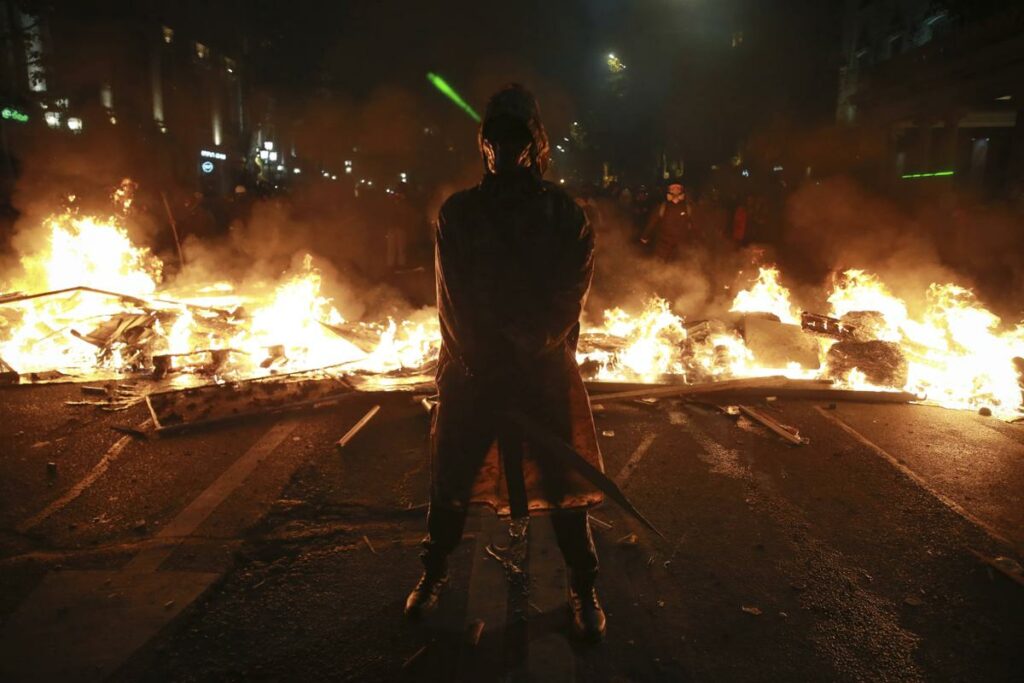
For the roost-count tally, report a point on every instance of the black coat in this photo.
(514, 259)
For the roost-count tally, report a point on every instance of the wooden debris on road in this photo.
(414, 657)
(115, 397)
(369, 545)
(1007, 566)
(786, 432)
(630, 539)
(131, 431)
(825, 325)
(8, 375)
(473, 632)
(357, 427)
(737, 390)
(209, 403)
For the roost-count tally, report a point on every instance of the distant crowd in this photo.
(670, 218)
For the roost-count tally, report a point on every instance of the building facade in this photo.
(939, 88)
(160, 92)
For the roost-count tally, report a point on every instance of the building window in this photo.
(229, 65)
(202, 51)
(107, 96)
(168, 33)
(35, 70)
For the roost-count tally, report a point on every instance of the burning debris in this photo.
(881, 363)
(91, 304)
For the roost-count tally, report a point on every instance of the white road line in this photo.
(634, 460)
(898, 464)
(75, 491)
(550, 657)
(486, 601)
(719, 458)
(189, 519)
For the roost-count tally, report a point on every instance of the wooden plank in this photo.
(357, 427)
(215, 402)
(770, 423)
(733, 391)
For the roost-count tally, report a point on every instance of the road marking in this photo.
(720, 459)
(549, 655)
(82, 608)
(486, 601)
(913, 476)
(75, 491)
(634, 460)
(189, 519)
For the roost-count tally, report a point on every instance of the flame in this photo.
(77, 250)
(649, 348)
(958, 352)
(283, 319)
(858, 291)
(92, 251)
(766, 295)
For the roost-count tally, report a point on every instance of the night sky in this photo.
(686, 87)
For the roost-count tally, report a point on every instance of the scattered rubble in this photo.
(629, 540)
(785, 431)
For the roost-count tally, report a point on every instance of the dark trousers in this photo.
(572, 531)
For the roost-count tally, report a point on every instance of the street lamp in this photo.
(615, 64)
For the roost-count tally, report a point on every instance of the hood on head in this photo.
(511, 133)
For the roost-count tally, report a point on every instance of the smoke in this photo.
(699, 284)
(345, 235)
(940, 237)
(343, 224)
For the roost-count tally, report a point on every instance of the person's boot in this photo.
(444, 531)
(424, 597)
(588, 619)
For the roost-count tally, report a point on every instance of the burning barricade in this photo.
(91, 305)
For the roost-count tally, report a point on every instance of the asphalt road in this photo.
(851, 558)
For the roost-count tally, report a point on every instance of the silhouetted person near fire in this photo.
(670, 226)
(514, 259)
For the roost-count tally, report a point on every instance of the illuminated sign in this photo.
(212, 155)
(936, 174)
(13, 114)
(207, 166)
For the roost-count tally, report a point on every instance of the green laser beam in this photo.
(449, 92)
(936, 174)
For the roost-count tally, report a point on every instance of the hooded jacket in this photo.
(513, 263)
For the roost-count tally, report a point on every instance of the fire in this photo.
(92, 251)
(647, 346)
(857, 290)
(958, 354)
(77, 250)
(766, 295)
(276, 326)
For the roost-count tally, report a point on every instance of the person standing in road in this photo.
(513, 260)
(670, 226)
